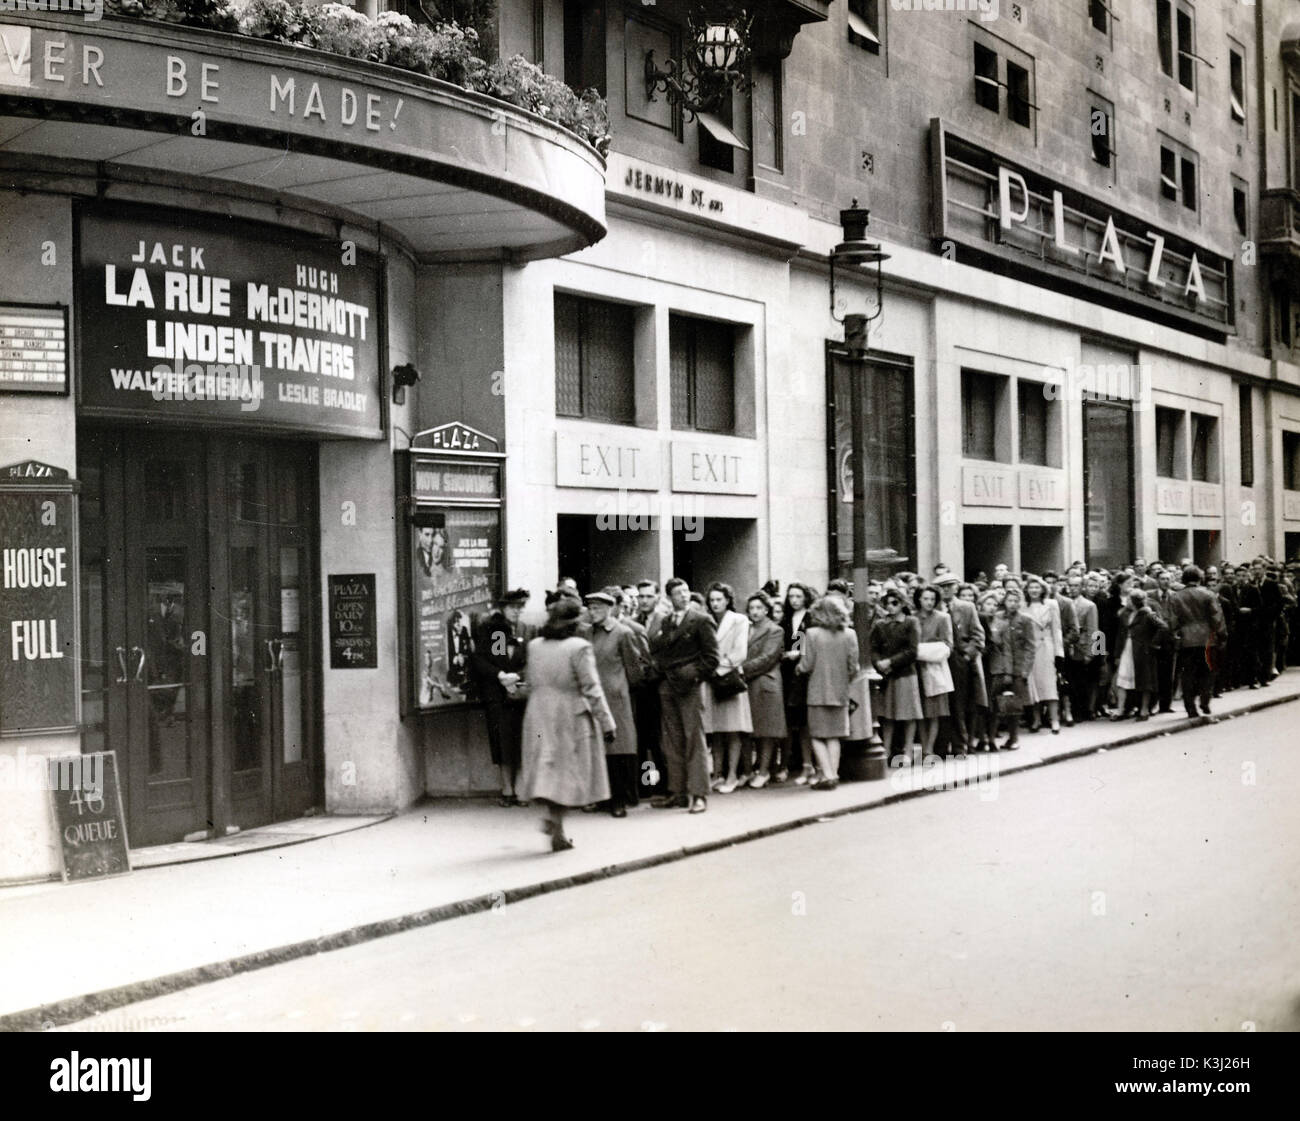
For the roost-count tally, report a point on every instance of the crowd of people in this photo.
(629, 691)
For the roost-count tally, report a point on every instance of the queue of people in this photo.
(630, 691)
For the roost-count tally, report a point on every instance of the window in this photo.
(584, 45)
(1186, 49)
(1178, 174)
(702, 368)
(1246, 420)
(1102, 130)
(1188, 172)
(1099, 13)
(1169, 174)
(864, 24)
(1034, 423)
(765, 103)
(1019, 101)
(986, 77)
(1165, 35)
(1237, 84)
(979, 410)
(1291, 460)
(1018, 82)
(1282, 313)
(1239, 210)
(718, 144)
(1169, 430)
(1205, 450)
(594, 371)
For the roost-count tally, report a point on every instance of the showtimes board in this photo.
(33, 349)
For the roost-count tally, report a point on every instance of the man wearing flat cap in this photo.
(499, 657)
(618, 665)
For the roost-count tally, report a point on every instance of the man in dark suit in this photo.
(684, 652)
(1161, 601)
(1198, 625)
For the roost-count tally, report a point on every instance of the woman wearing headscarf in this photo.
(1045, 613)
(567, 722)
(727, 718)
(762, 670)
(1137, 632)
(829, 661)
(893, 645)
(1011, 644)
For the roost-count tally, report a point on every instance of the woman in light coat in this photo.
(563, 745)
(934, 626)
(1045, 614)
(1012, 646)
(830, 662)
(762, 670)
(727, 719)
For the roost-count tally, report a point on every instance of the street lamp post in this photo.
(857, 252)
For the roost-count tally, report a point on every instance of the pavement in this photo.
(70, 951)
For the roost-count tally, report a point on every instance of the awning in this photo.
(715, 127)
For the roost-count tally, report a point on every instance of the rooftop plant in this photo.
(447, 51)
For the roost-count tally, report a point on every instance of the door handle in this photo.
(279, 653)
(272, 663)
(139, 669)
(121, 661)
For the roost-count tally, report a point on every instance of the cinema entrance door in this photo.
(199, 605)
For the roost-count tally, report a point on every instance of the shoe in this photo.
(699, 805)
(825, 784)
(670, 802)
(523, 805)
(507, 800)
(1010, 745)
(1192, 714)
(594, 807)
(716, 782)
(1167, 708)
(1205, 708)
(618, 811)
(1056, 729)
(801, 779)
(728, 787)
(984, 745)
(758, 782)
(1143, 716)
(1068, 721)
(781, 776)
(559, 842)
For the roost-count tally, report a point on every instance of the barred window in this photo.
(1246, 412)
(702, 369)
(1169, 423)
(1034, 420)
(979, 405)
(594, 372)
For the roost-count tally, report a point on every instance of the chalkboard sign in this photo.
(88, 813)
(352, 622)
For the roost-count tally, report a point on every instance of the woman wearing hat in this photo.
(567, 723)
(893, 645)
(829, 660)
(1011, 645)
(498, 655)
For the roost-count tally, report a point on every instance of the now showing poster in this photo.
(455, 569)
(227, 323)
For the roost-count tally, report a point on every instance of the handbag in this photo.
(729, 684)
(936, 677)
(931, 652)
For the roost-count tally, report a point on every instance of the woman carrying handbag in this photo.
(932, 652)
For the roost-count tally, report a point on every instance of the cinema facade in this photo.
(225, 263)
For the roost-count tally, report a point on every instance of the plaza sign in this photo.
(1042, 228)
